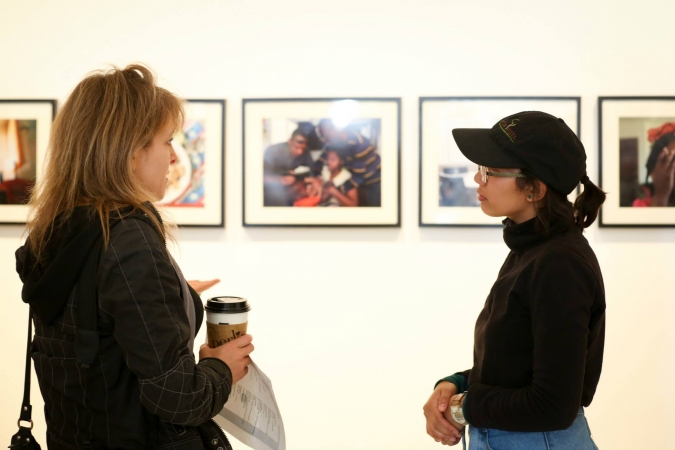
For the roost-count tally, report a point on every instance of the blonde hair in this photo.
(107, 118)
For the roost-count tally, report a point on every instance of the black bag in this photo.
(24, 439)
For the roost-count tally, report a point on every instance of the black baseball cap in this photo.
(538, 142)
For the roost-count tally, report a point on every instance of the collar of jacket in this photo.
(523, 236)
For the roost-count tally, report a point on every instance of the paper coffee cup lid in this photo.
(227, 304)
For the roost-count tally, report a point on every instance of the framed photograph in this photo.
(447, 187)
(196, 191)
(322, 162)
(25, 126)
(637, 161)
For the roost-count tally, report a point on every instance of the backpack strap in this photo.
(26, 408)
(24, 437)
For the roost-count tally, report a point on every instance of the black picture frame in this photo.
(436, 210)
(385, 110)
(624, 124)
(13, 210)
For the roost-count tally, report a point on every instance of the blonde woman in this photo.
(95, 239)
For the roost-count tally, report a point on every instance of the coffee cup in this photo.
(226, 319)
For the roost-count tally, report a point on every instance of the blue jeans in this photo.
(576, 437)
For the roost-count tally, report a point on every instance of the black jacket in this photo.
(144, 389)
(539, 340)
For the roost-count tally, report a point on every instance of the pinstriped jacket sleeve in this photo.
(138, 287)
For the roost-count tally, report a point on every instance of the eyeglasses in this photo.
(484, 174)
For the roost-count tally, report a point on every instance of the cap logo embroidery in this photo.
(506, 128)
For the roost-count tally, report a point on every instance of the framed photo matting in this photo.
(637, 161)
(195, 195)
(447, 187)
(25, 126)
(321, 162)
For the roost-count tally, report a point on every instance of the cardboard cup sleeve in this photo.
(219, 334)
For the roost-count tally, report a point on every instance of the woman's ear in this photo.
(135, 158)
(538, 193)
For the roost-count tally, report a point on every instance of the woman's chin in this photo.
(488, 212)
(157, 197)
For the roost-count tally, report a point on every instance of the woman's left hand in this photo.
(201, 286)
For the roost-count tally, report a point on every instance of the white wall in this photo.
(354, 326)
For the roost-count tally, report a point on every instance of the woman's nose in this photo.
(174, 156)
(477, 179)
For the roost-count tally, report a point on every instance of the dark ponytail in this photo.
(555, 210)
(587, 205)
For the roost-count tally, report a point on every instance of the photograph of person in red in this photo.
(658, 190)
(17, 160)
(647, 152)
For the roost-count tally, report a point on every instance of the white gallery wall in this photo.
(354, 325)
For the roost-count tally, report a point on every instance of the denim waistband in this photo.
(577, 436)
(580, 412)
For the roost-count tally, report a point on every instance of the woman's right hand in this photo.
(663, 177)
(235, 354)
(437, 426)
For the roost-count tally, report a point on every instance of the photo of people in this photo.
(316, 162)
(17, 160)
(321, 162)
(647, 162)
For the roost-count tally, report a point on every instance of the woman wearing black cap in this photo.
(539, 339)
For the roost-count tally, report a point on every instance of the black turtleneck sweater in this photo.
(539, 340)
